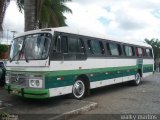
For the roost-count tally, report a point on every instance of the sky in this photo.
(125, 19)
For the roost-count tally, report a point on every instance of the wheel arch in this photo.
(85, 79)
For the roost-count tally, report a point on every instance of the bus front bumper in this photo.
(27, 92)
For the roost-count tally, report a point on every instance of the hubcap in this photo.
(78, 89)
(138, 78)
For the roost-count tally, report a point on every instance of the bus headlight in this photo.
(35, 83)
(32, 83)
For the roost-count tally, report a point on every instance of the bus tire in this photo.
(79, 89)
(137, 79)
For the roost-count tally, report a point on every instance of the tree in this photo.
(50, 13)
(3, 6)
(45, 13)
(30, 14)
(40, 13)
(155, 43)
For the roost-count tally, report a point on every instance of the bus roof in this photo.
(84, 32)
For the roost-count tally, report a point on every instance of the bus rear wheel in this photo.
(137, 79)
(79, 89)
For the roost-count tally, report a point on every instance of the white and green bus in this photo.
(57, 61)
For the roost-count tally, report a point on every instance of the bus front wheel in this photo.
(79, 89)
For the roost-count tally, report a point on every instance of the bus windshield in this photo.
(31, 47)
(16, 48)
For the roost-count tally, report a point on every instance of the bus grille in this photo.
(19, 79)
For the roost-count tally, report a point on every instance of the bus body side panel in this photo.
(105, 72)
(148, 67)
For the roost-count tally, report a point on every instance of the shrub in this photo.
(3, 48)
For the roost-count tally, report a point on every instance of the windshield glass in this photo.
(16, 48)
(37, 46)
(31, 47)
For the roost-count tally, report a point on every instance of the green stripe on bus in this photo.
(87, 71)
(98, 74)
(147, 68)
(51, 77)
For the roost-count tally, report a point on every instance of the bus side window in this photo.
(151, 55)
(95, 47)
(81, 48)
(139, 52)
(148, 53)
(57, 49)
(113, 49)
(119, 49)
(143, 52)
(57, 45)
(60, 45)
(73, 45)
(102, 47)
(75, 48)
(133, 50)
(89, 47)
(128, 51)
(64, 44)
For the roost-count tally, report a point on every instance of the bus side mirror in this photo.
(19, 47)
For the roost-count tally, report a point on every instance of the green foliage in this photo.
(3, 48)
(49, 13)
(155, 43)
(20, 4)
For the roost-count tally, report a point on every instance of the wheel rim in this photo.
(138, 78)
(78, 89)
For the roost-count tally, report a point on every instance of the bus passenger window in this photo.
(128, 51)
(143, 53)
(64, 44)
(89, 46)
(148, 52)
(102, 47)
(81, 48)
(113, 49)
(95, 47)
(72, 45)
(151, 55)
(57, 45)
(75, 45)
(139, 52)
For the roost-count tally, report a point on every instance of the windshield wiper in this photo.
(19, 53)
(25, 55)
(14, 56)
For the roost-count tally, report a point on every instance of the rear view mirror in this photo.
(19, 47)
